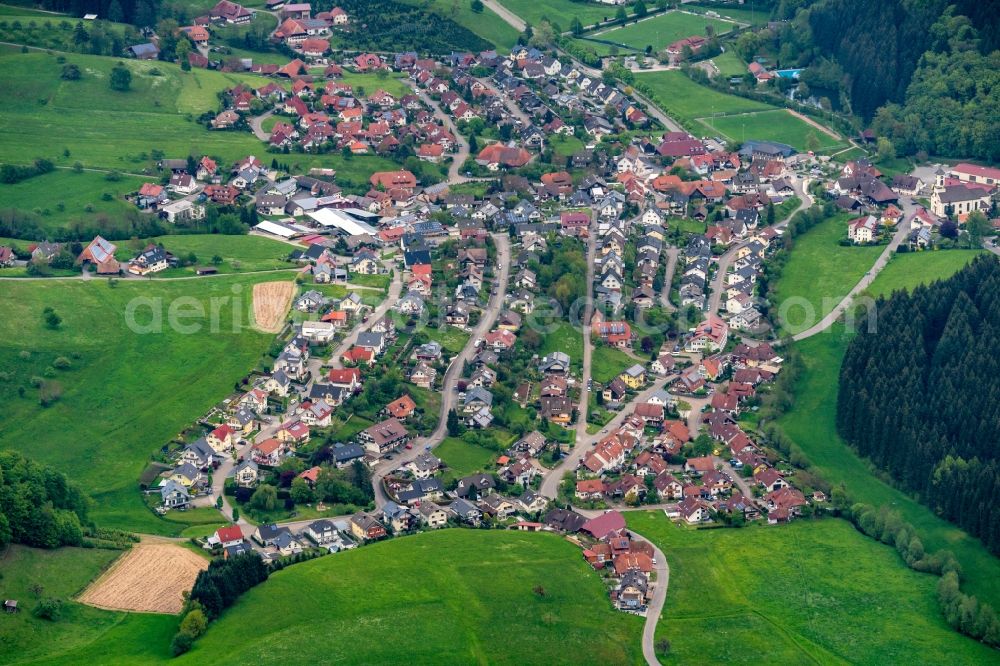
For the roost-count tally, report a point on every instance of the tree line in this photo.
(920, 396)
(963, 612)
(39, 506)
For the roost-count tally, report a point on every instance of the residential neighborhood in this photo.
(412, 288)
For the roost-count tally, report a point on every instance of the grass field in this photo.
(369, 83)
(565, 338)
(452, 339)
(808, 592)
(62, 573)
(42, 115)
(239, 253)
(562, 11)
(126, 394)
(659, 31)
(487, 24)
(14, 10)
(680, 96)
(566, 146)
(608, 362)
(819, 273)
(904, 271)
(463, 596)
(47, 30)
(730, 64)
(710, 112)
(750, 15)
(811, 424)
(777, 125)
(63, 196)
(82, 634)
(463, 458)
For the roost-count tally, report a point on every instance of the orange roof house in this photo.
(401, 407)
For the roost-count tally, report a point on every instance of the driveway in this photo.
(257, 125)
(668, 278)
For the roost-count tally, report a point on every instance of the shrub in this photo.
(181, 643)
(48, 609)
(194, 623)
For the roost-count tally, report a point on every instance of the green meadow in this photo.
(606, 363)
(751, 15)
(566, 338)
(7, 11)
(44, 116)
(459, 598)
(445, 597)
(659, 31)
(813, 591)
(464, 458)
(125, 394)
(487, 24)
(812, 425)
(238, 253)
(730, 64)
(64, 196)
(678, 95)
(710, 112)
(63, 574)
(820, 271)
(562, 11)
(777, 125)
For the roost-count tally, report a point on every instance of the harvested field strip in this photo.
(151, 578)
(271, 301)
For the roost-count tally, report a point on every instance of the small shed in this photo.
(10, 605)
(206, 270)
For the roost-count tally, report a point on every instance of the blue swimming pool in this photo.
(788, 73)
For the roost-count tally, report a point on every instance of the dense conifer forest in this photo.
(920, 396)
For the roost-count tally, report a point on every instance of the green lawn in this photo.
(463, 458)
(811, 424)
(452, 339)
(730, 64)
(608, 362)
(64, 573)
(64, 196)
(819, 273)
(678, 95)
(808, 592)
(127, 394)
(351, 427)
(377, 281)
(392, 84)
(566, 146)
(565, 338)
(462, 596)
(659, 31)
(776, 125)
(238, 253)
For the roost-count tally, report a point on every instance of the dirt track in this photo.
(151, 578)
(271, 301)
